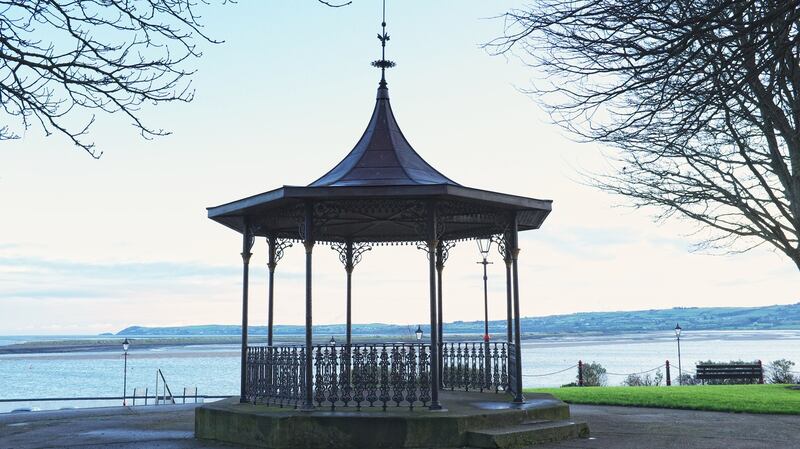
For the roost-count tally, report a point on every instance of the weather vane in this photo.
(383, 63)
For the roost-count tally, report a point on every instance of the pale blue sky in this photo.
(91, 246)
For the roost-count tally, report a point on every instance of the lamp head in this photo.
(677, 330)
(125, 345)
(333, 340)
(484, 245)
(418, 333)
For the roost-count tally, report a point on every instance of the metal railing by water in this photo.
(112, 398)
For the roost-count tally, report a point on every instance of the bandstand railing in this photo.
(474, 366)
(372, 375)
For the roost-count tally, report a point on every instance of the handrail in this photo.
(166, 388)
(111, 398)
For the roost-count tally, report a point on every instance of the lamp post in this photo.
(484, 245)
(678, 335)
(125, 345)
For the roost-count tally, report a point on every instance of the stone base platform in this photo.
(480, 420)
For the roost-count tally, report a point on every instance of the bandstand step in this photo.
(527, 434)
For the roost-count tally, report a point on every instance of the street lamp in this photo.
(332, 341)
(484, 245)
(678, 335)
(125, 345)
(418, 333)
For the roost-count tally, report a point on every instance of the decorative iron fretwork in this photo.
(426, 246)
(443, 252)
(249, 239)
(358, 249)
(374, 375)
(475, 366)
(281, 245)
(502, 246)
(277, 373)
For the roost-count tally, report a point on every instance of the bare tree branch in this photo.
(334, 5)
(63, 61)
(701, 98)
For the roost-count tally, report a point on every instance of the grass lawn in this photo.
(723, 398)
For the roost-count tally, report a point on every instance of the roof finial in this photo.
(383, 63)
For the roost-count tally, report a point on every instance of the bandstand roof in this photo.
(381, 192)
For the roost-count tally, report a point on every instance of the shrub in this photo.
(780, 372)
(686, 379)
(638, 380)
(594, 375)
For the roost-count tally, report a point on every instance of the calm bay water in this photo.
(214, 369)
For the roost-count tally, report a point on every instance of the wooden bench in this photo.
(753, 372)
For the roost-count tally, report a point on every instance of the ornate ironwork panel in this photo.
(274, 374)
(386, 374)
(475, 366)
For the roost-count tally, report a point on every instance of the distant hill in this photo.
(690, 318)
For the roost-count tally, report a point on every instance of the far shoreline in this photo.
(200, 343)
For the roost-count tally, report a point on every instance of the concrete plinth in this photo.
(475, 419)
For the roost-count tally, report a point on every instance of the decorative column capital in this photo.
(514, 253)
(246, 257)
(309, 245)
(272, 266)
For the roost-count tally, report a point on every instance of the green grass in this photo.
(723, 398)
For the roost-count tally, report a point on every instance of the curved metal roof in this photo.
(382, 191)
(383, 156)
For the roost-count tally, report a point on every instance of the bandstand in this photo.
(381, 193)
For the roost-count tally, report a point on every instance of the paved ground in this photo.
(612, 427)
(652, 428)
(163, 427)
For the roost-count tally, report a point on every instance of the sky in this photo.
(90, 246)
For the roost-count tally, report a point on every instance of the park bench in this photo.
(752, 372)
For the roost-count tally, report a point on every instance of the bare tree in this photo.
(63, 61)
(700, 98)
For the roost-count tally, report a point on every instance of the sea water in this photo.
(214, 369)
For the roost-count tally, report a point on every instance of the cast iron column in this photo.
(348, 266)
(518, 398)
(247, 245)
(507, 260)
(440, 327)
(308, 242)
(432, 242)
(271, 264)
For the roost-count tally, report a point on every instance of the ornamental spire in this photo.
(383, 63)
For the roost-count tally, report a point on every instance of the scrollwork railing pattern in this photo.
(277, 373)
(475, 366)
(374, 375)
(358, 375)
